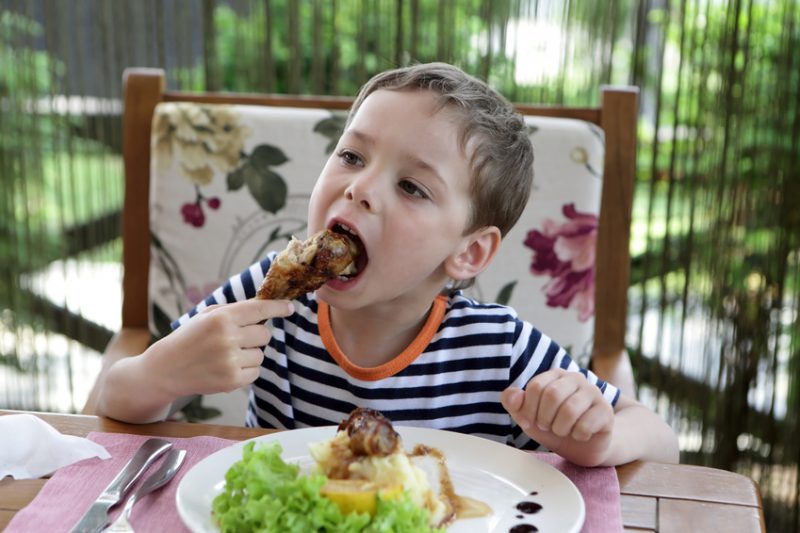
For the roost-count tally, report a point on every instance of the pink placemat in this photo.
(71, 490)
(600, 490)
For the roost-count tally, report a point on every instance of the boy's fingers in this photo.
(598, 418)
(569, 413)
(249, 375)
(552, 397)
(534, 391)
(256, 311)
(250, 358)
(254, 336)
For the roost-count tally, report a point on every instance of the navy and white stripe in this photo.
(455, 384)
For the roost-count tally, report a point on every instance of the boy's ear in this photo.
(474, 254)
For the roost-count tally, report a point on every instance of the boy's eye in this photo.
(350, 158)
(410, 188)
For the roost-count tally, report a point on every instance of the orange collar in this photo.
(398, 363)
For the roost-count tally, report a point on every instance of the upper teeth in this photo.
(346, 228)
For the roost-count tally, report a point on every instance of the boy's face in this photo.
(400, 182)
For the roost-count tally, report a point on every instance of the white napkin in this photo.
(31, 448)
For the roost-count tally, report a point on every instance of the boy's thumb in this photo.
(512, 399)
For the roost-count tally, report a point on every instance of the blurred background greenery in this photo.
(714, 298)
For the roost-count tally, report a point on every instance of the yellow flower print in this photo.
(581, 156)
(203, 138)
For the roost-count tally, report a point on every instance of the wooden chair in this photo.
(144, 89)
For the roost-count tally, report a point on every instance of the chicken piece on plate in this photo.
(366, 451)
(305, 266)
(370, 433)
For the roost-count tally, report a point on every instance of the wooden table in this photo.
(654, 497)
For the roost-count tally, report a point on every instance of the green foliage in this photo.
(331, 128)
(266, 186)
(504, 296)
(25, 75)
(351, 44)
(34, 68)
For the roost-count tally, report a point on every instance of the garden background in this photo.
(714, 332)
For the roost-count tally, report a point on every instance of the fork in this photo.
(158, 479)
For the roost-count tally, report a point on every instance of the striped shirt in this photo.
(450, 377)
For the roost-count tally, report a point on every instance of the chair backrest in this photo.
(213, 180)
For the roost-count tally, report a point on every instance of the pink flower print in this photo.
(566, 252)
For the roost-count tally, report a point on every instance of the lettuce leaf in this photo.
(264, 493)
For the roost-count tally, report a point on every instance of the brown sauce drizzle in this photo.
(461, 506)
(467, 507)
(523, 528)
(529, 507)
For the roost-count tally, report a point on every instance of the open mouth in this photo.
(358, 248)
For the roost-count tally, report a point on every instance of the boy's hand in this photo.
(564, 412)
(218, 350)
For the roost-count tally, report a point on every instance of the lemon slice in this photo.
(356, 495)
(391, 493)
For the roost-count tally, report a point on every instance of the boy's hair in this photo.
(502, 160)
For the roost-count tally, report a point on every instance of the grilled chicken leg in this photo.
(305, 266)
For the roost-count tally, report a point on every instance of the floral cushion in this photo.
(545, 266)
(229, 183)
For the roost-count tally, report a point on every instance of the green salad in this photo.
(264, 493)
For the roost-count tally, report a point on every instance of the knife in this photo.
(163, 475)
(96, 518)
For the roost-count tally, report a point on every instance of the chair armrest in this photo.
(615, 368)
(127, 343)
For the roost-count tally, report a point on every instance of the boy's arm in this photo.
(640, 434)
(565, 413)
(218, 350)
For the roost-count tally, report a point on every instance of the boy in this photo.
(432, 170)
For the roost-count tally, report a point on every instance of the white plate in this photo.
(493, 473)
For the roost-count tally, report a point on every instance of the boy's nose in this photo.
(350, 195)
(363, 190)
